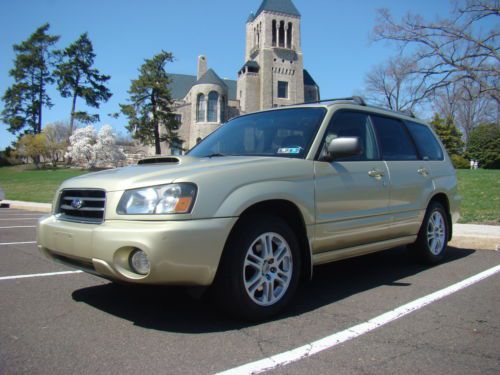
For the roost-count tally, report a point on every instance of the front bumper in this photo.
(185, 252)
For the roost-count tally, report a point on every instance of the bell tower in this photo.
(273, 74)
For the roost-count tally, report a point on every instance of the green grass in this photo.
(480, 191)
(27, 184)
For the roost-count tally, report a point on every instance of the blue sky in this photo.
(335, 40)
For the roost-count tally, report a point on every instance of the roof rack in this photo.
(356, 99)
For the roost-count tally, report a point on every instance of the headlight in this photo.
(159, 200)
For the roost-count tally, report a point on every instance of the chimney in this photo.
(202, 66)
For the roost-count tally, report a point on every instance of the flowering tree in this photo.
(82, 147)
(106, 148)
(89, 149)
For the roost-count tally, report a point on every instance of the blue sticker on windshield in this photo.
(289, 150)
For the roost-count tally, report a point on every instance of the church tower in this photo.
(273, 74)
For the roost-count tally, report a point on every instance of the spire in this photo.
(278, 6)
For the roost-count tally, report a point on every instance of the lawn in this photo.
(479, 189)
(27, 184)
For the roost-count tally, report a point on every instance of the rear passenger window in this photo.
(427, 145)
(394, 141)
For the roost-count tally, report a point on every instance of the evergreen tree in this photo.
(484, 145)
(25, 99)
(77, 79)
(150, 104)
(449, 134)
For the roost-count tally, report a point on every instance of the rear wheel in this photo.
(432, 240)
(260, 269)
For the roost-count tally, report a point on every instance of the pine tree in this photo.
(449, 134)
(25, 99)
(76, 78)
(150, 104)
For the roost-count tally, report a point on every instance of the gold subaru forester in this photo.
(251, 209)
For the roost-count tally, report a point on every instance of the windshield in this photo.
(284, 133)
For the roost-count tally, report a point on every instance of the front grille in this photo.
(85, 206)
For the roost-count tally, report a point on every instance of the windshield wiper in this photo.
(214, 155)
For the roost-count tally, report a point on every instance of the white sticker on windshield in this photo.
(289, 150)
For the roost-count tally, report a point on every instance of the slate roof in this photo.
(182, 83)
(308, 80)
(251, 64)
(278, 6)
(251, 17)
(211, 78)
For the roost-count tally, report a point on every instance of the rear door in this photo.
(410, 177)
(352, 194)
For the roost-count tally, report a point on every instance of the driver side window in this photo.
(354, 124)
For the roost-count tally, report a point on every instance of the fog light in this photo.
(139, 262)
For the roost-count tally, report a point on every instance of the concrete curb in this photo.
(28, 206)
(465, 236)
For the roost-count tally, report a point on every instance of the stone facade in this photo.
(272, 76)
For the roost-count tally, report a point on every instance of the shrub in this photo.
(484, 145)
(460, 162)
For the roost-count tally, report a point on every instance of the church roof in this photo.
(278, 6)
(211, 78)
(308, 79)
(252, 64)
(251, 17)
(182, 83)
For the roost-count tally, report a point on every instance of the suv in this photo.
(251, 209)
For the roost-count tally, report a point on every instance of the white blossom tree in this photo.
(89, 149)
(82, 150)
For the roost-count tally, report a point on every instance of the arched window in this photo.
(213, 100)
(274, 33)
(200, 108)
(289, 35)
(282, 34)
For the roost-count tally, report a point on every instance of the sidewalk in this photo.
(467, 236)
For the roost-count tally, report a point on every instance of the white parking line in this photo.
(38, 275)
(14, 214)
(19, 226)
(328, 342)
(16, 243)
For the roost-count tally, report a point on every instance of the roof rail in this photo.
(356, 99)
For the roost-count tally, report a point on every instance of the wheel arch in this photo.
(442, 199)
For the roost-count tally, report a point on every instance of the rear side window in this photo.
(394, 140)
(427, 145)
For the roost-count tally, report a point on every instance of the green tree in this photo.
(484, 145)
(25, 99)
(449, 134)
(76, 78)
(32, 146)
(150, 104)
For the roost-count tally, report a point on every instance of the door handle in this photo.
(375, 173)
(423, 171)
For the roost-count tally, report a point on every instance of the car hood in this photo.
(176, 168)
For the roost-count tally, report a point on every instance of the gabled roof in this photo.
(278, 6)
(308, 79)
(211, 78)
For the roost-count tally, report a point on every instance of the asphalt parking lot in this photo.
(75, 323)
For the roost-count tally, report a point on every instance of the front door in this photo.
(352, 194)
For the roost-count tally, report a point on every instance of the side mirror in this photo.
(343, 147)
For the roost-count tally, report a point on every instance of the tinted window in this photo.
(394, 141)
(427, 145)
(354, 124)
(285, 133)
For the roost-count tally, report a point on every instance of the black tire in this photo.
(230, 286)
(432, 241)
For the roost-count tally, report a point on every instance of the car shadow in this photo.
(172, 309)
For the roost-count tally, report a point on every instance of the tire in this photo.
(252, 283)
(432, 241)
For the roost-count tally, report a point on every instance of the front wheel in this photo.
(432, 240)
(260, 269)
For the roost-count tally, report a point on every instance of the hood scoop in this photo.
(160, 160)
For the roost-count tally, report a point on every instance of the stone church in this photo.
(273, 75)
